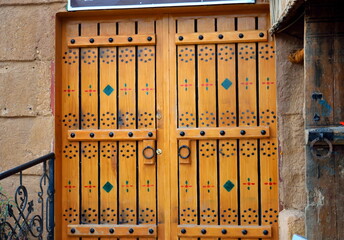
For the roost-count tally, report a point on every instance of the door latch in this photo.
(320, 141)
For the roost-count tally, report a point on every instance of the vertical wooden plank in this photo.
(338, 190)
(338, 77)
(187, 119)
(89, 120)
(247, 100)
(338, 118)
(146, 120)
(127, 120)
(57, 111)
(323, 65)
(108, 120)
(70, 120)
(207, 114)
(173, 124)
(322, 184)
(268, 147)
(228, 183)
(319, 74)
(167, 186)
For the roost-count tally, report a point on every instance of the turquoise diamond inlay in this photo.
(108, 187)
(108, 90)
(228, 186)
(226, 83)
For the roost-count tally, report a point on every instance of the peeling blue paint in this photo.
(329, 170)
(326, 109)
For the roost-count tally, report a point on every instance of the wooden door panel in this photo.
(248, 149)
(114, 183)
(147, 213)
(70, 119)
(127, 120)
(221, 182)
(206, 86)
(227, 116)
(207, 117)
(108, 120)
(89, 120)
(268, 148)
(186, 81)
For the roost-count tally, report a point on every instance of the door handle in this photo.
(184, 151)
(186, 155)
(145, 150)
(148, 151)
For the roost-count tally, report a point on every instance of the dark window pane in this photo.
(75, 4)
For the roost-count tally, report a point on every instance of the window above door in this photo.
(74, 5)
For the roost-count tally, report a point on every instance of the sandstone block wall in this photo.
(27, 36)
(27, 52)
(290, 98)
(292, 163)
(291, 125)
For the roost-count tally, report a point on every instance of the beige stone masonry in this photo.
(25, 88)
(291, 222)
(24, 139)
(27, 54)
(28, 32)
(290, 102)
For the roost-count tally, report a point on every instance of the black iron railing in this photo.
(25, 216)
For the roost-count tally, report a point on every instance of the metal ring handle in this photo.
(180, 148)
(320, 140)
(144, 150)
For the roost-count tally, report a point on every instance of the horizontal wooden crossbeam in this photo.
(111, 135)
(223, 133)
(221, 37)
(111, 41)
(224, 231)
(129, 231)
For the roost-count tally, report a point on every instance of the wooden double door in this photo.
(166, 127)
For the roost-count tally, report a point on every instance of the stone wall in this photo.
(27, 37)
(26, 75)
(290, 101)
(291, 105)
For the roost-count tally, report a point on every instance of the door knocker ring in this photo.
(179, 150)
(144, 152)
(313, 152)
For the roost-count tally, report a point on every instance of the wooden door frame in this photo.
(168, 81)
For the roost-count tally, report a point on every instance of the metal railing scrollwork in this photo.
(27, 216)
